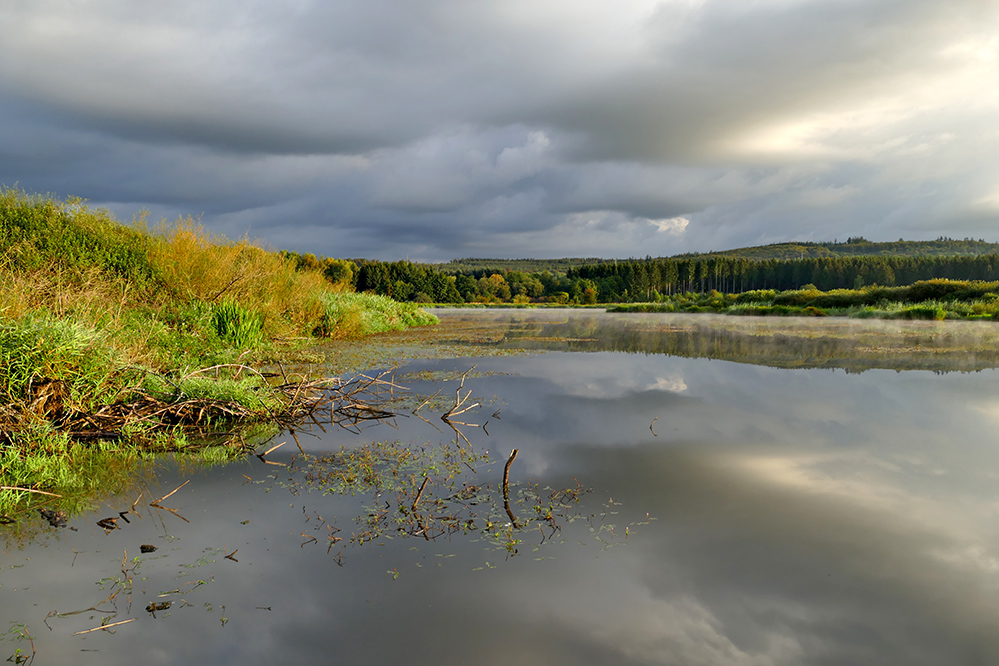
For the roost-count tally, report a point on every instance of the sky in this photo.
(441, 129)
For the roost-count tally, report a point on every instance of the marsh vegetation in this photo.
(931, 299)
(162, 337)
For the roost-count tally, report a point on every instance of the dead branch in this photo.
(459, 406)
(427, 401)
(506, 472)
(506, 488)
(426, 480)
(276, 446)
(106, 626)
(155, 502)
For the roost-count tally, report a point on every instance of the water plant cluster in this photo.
(929, 299)
(427, 492)
(163, 326)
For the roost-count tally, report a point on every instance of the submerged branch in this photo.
(29, 490)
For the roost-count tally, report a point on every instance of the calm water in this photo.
(796, 509)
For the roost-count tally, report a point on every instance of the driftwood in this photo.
(348, 403)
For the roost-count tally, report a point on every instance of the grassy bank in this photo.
(148, 336)
(518, 306)
(930, 299)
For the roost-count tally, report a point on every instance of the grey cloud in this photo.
(448, 127)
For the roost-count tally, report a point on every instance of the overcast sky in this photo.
(436, 129)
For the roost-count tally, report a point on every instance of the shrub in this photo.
(39, 232)
(756, 296)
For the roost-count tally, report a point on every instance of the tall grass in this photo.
(237, 325)
(195, 265)
(349, 314)
(82, 294)
(39, 346)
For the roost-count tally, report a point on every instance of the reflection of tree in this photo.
(854, 346)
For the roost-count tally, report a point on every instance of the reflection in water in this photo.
(850, 344)
(425, 491)
(802, 516)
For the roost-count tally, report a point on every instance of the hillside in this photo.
(857, 247)
(852, 247)
(474, 265)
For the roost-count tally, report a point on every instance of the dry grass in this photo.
(197, 265)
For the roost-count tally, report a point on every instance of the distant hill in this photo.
(473, 265)
(857, 247)
(852, 247)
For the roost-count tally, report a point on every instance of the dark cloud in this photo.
(442, 128)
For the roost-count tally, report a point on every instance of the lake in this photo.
(687, 490)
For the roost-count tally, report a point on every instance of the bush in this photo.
(756, 296)
(41, 233)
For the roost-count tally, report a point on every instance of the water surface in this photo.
(762, 492)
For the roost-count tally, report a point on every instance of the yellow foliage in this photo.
(196, 265)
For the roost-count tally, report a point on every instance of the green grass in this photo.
(348, 314)
(237, 325)
(39, 346)
(931, 300)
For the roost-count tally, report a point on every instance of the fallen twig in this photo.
(426, 480)
(106, 626)
(506, 487)
(29, 490)
(155, 502)
(173, 511)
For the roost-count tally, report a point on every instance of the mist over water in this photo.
(763, 492)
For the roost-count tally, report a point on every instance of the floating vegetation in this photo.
(445, 375)
(431, 492)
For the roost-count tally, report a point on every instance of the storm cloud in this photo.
(445, 129)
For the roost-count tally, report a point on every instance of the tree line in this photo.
(853, 247)
(645, 280)
(642, 280)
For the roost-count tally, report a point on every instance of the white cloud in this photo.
(673, 225)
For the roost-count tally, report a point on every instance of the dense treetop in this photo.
(852, 264)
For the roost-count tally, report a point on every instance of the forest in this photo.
(646, 280)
